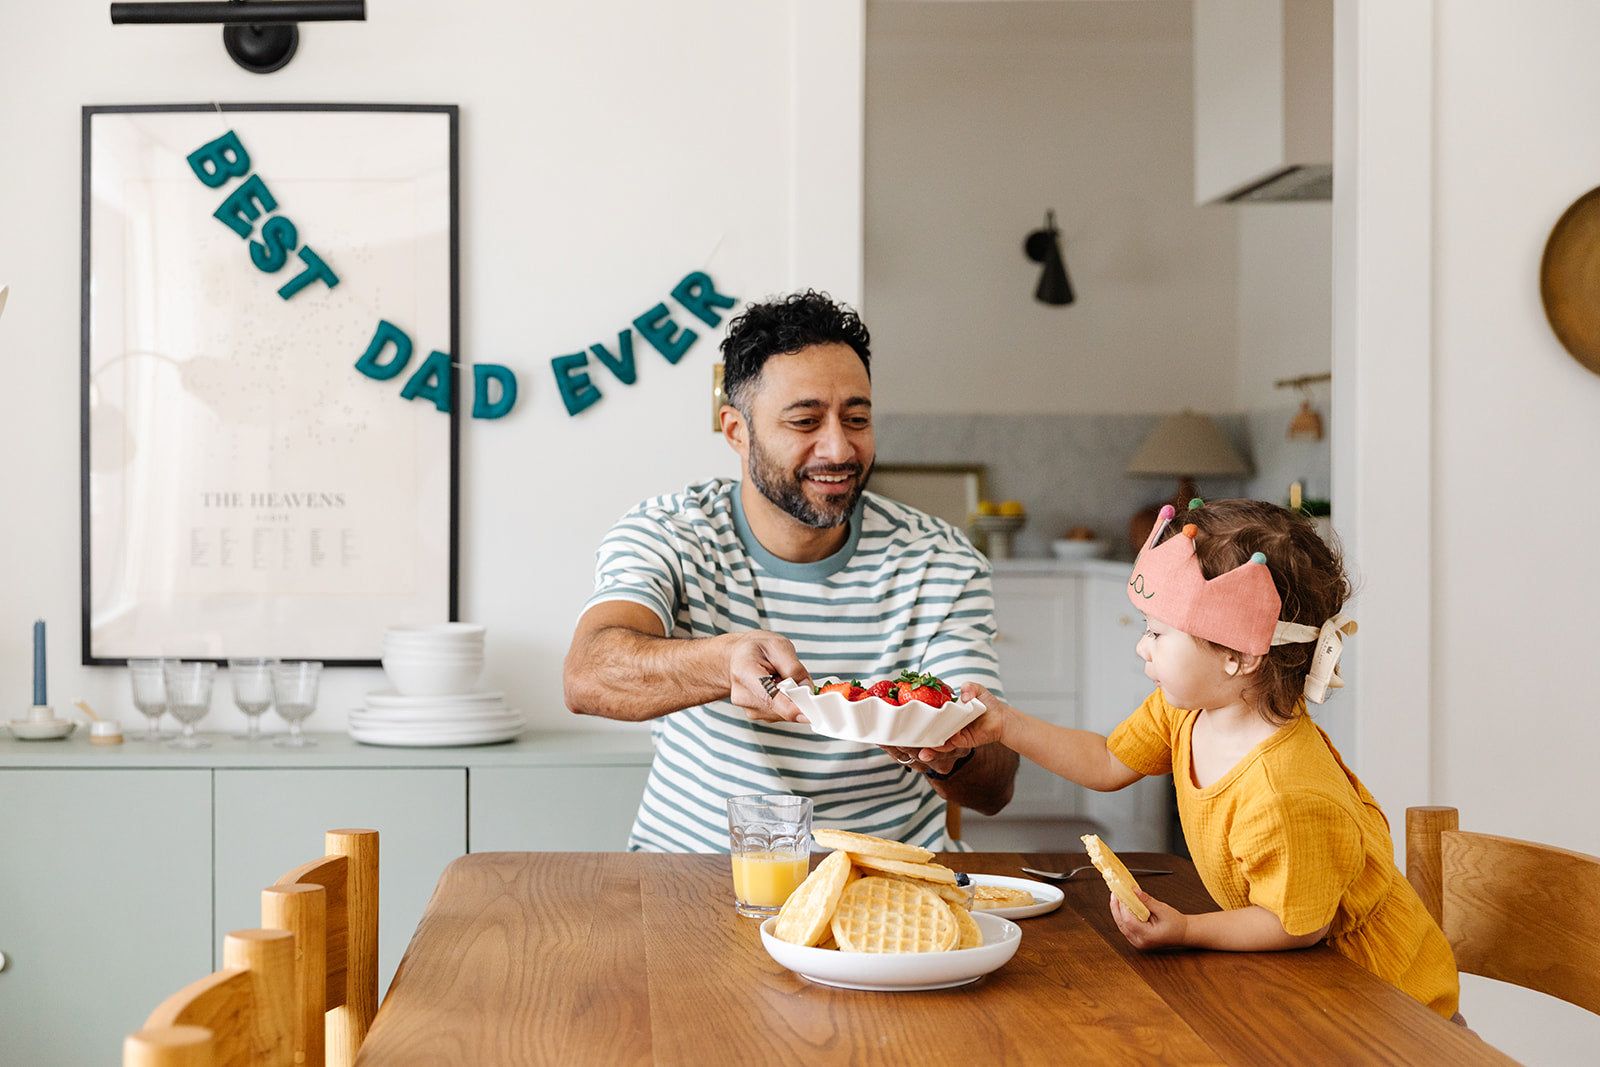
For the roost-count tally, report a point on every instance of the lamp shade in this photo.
(1187, 444)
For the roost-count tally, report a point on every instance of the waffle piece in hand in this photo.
(1115, 872)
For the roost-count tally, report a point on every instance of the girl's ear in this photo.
(1239, 664)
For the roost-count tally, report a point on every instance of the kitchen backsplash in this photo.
(1067, 469)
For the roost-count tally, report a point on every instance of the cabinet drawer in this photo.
(1037, 639)
(555, 809)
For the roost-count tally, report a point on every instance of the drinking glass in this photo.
(294, 692)
(188, 697)
(769, 836)
(149, 695)
(252, 692)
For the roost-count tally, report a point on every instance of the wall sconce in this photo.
(260, 35)
(1044, 246)
(1306, 424)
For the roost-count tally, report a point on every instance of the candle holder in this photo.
(41, 725)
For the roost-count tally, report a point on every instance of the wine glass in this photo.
(252, 691)
(189, 697)
(149, 694)
(294, 692)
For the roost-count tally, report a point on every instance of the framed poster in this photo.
(246, 491)
(948, 491)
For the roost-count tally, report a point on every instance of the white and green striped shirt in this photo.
(906, 590)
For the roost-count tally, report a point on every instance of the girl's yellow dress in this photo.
(1291, 829)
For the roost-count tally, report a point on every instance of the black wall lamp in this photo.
(260, 35)
(1044, 246)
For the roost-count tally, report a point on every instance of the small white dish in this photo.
(379, 698)
(901, 971)
(41, 729)
(877, 722)
(1065, 548)
(1046, 897)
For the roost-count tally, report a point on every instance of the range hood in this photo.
(1263, 100)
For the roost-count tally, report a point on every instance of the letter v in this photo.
(621, 364)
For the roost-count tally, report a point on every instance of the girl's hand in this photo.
(1166, 925)
(986, 728)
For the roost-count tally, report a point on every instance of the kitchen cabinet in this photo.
(102, 874)
(121, 868)
(1065, 639)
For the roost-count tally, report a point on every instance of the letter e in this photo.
(661, 333)
(577, 391)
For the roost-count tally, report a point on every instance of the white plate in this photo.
(1046, 897)
(436, 726)
(389, 698)
(376, 736)
(877, 722)
(901, 971)
(436, 714)
(49, 730)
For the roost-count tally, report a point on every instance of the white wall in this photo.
(980, 117)
(607, 148)
(1470, 471)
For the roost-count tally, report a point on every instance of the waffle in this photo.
(804, 918)
(985, 897)
(927, 872)
(888, 915)
(867, 845)
(955, 895)
(1115, 872)
(967, 933)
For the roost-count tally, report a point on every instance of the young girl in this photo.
(1242, 627)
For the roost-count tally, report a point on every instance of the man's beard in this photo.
(783, 488)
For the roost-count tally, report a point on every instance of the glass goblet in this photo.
(252, 692)
(294, 693)
(189, 698)
(149, 695)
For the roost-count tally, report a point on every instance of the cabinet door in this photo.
(555, 809)
(1040, 793)
(270, 821)
(105, 906)
(1136, 818)
(1036, 617)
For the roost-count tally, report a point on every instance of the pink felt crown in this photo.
(1238, 610)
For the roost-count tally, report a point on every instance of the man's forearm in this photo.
(984, 783)
(620, 673)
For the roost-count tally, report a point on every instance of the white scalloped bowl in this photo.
(877, 722)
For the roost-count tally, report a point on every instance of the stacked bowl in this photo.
(433, 669)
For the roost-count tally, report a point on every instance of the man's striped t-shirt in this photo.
(907, 590)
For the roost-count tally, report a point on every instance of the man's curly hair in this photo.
(781, 326)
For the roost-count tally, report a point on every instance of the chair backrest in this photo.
(331, 905)
(240, 1015)
(1512, 910)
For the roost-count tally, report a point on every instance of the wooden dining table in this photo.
(639, 958)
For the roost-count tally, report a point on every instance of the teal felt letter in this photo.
(278, 237)
(431, 382)
(386, 334)
(315, 270)
(220, 160)
(577, 391)
(621, 364)
(660, 333)
(482, 375)
(697, 294)
(238, 212)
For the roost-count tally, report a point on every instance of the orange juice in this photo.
(765, 879)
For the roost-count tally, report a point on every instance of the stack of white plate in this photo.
(388, 718)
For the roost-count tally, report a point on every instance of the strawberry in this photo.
(836, 687)
(926, 693)
(883, 691)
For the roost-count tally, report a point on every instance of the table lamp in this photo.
(1181, 446)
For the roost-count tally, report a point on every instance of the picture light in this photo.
(260, 35)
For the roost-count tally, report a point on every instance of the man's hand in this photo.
(758, 654)
(938, 760)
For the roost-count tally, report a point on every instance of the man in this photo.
(701, 594)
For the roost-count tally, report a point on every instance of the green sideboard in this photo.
(122, 867)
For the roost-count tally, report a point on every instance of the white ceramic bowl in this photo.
(442, 655)
(431, 678)
(878, 722)
(1062, 548)
(437, 633)
(902, 970)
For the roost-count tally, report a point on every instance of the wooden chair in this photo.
(1512, 910)
(331, 906)
(242, 1014)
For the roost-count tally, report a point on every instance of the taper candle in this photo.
(38, 664)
